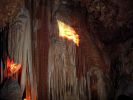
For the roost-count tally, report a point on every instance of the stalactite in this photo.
(19, 47)
(75, 72)
(62, 70)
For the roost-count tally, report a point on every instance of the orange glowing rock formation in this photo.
(12, 67)
(27, 98)
(68, 32)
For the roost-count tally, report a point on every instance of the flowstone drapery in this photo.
(19, 46)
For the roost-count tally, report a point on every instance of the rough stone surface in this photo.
(10, 90)
(8, 9)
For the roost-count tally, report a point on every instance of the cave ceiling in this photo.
(8, 9)
(111, 20)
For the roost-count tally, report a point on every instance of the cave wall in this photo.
(40, 47)
(110, 32)
(104, 35)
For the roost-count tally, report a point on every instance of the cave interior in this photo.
(66, 49)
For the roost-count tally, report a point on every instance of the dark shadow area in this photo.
(124, 97)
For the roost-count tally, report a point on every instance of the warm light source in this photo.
(12, 67)
(27, 98)
(68, 32)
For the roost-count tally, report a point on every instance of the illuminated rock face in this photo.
(75, 72)
(98, 59)
(66, 31)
